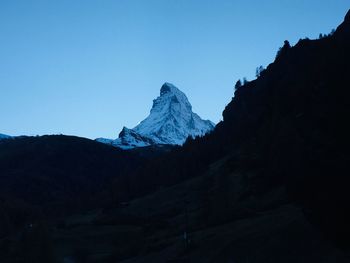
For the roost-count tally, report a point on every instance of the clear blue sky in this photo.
(90, 67)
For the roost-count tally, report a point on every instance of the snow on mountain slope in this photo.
(171, 121)
(128, 139)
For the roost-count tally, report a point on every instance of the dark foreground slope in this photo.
(270, 184)
(47, 176)
(284, 135)
(290, 125)
(292, 122)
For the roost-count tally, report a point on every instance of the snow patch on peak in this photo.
(171, 121)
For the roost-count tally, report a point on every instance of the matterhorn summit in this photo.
(171, 121)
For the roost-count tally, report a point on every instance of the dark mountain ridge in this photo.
(289, 126)
(54, 175)
(270, 184)
(293, 119)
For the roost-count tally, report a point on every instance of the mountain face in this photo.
(171, 121)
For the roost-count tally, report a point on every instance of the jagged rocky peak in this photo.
(125, 131)
(168, 87)
(172, 95)
(132, 138)
(171, 121)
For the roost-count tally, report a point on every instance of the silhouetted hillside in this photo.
(293, 120)
(289, 126)
(51, 175)
(270, 184)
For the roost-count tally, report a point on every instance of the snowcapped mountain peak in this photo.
(171, 96)
(170, 102)
(169, 88)
(171, 121)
